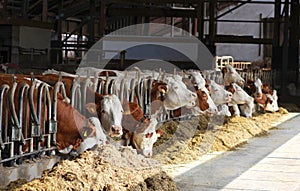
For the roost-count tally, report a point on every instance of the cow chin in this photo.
(147, 152)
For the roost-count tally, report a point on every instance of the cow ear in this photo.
(92, 108)
(162, 89)
(86, 132)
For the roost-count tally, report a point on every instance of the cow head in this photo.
(218, 94)
(110, 111)
(145, 136)
(178, 95)
(232, 76)
(197, 79)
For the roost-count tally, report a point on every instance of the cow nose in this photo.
(116, 129)
(193, 103)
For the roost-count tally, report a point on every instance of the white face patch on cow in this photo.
(178, 94)
(218, 94)
(111, 115)
(258, 85)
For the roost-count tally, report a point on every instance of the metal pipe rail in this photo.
(27, 119)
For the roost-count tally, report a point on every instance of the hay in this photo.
(216, 134)
(106, 168)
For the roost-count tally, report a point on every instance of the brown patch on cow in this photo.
(230, 88)
(158, 87)
(107, 73)
(202, 100)
(224, 71)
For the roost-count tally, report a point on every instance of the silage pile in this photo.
(106, 168)
(186, 141)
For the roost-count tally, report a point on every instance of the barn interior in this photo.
(38, 35)
(260, 37)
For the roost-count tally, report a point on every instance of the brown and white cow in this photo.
(240, 97)
(140, 130)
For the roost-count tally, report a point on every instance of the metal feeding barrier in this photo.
(28, 122)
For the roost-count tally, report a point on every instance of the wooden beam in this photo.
(102, 19)
(26, 22)
(241, 39)
(154, 1)
(45, 10)
(151, 12)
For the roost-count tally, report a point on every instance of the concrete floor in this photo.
(265, 163)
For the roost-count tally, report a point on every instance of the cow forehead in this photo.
(257, 82)
(111, 101)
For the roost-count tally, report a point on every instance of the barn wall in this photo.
(34, 37)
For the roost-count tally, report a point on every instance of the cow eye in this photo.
(102, 111)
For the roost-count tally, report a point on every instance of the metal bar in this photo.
(244, 21)
(232, 9)
(4, 9)
(102, 19)
(212, 26)
(24, 8)
(16, 125)
(4, 88)
(285, 51)
(200, 21)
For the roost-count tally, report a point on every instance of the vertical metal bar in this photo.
(294, 38)
(212, 26)
(24, 8)
(260, 33)
(59, 31)
(285, 51)
(4, 9)
(2, 93)
(200, 20)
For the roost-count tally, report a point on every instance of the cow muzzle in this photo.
(116, 131)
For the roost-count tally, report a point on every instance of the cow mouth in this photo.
(227, 100)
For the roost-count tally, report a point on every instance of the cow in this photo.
(140, 130)
(239, 96)
(72, 127)
(220, 97)
(272, 98)
(230, 75)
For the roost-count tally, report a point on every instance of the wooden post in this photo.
(102, 18)
(45, 10)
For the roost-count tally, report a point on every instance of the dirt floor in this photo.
(109, 168)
